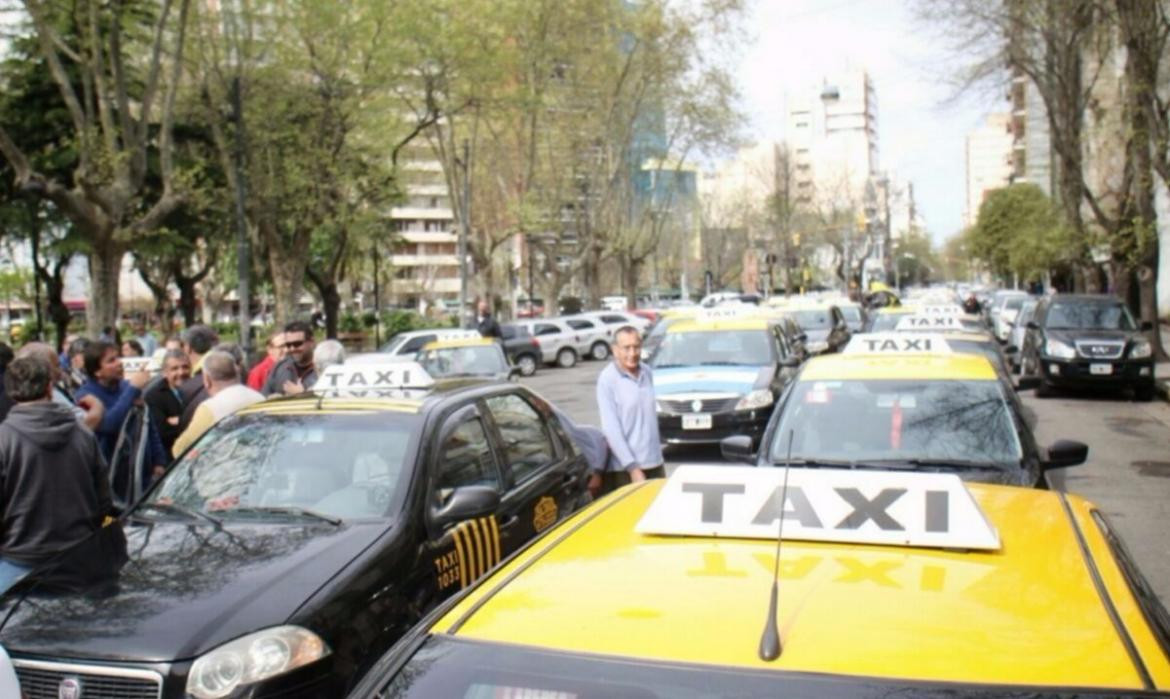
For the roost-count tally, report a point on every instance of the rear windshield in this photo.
(1089, 316)
(340, 465)
(477, 360)
(818, 319)
(458, 669)
(734, 347)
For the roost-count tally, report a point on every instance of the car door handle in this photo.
(509, 520)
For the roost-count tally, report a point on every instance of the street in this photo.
(1127, 474)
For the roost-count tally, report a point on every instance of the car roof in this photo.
(691, 325)
(406, 400)
(1028, 613)
(925, 367)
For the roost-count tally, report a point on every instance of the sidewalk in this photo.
(1162, 369)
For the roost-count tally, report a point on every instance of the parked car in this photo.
(594, 332)
(559, 343)
(1087, 341)
(1019, 331)
(407, 344)
(616, 319)
(521, 347)
(825, 328)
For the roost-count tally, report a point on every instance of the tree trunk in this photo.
(188, 300)
(58, 312)
(105, 266)
(330, 299)
(286, 287)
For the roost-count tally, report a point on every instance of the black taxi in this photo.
(298, 539)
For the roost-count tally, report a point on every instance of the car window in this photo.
(580, 324)
(1089, 316)
(415, 344)
(466, 459)
(613, 320)
(526, 443)
(546, 329)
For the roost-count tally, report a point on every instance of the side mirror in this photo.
(1032, 325)
(1147, 326)
(1066, 452)
(738, 448)
(514, 373)
(1027, 383)
(468, 502)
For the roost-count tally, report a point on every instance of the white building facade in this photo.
(989, 162)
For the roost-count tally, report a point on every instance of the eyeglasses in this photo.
(295, 344)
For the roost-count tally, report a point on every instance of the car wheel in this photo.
(1144, 393)
(527, 364)
(566, 358)
(1044, 390)
(600, 351)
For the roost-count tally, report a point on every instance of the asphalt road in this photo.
(1127, 474)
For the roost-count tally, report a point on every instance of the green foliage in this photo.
(350, 323)
(1019, 232)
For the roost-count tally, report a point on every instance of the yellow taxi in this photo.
(726, 581)
(961, 337)
(466, 357)
(906, 401)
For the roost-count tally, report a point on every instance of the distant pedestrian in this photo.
(132, 348)
(485, 323)
(166, 400)
(226, 395)
(274, 353)
(296, 372)
(629, 420)
(144, 338)
(54, 491)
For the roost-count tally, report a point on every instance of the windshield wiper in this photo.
(911, 464)
(187, 512)
(945, 464)
(287, 510)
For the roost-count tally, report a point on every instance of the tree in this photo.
(1019, 233)
(120, 111)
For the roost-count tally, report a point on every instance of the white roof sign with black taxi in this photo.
(933, 510)
(897, 343)
(390, 379)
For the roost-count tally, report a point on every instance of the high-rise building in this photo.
(1031, 142)
(832, 130)
(990, 162)
(425, 259)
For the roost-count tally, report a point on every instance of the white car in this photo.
(559, 343)
(594, 332)
(612, 320)
(407, 344)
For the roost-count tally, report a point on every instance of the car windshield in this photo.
(450, 667)
(813, 319)
(898, 421)
(480, 360)
(1089, 316)
(749, 347)
(885, 322)
(337, 465)
(1014, 303)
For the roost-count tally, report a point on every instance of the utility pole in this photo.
(377, 301)
(464, 232)
(243, 245)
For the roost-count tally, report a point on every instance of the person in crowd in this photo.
(972, 305)
(328, 353)
(144, 338)
(54, 491)
(485, 323)
(6, 357)
(629, 420)
(118, 394)
(274, 353)
(173, 342)
(165, 399)
(197, 341)
(132, 348)
(226, 395)
(88, 410)
(76, 372)
(296, 372)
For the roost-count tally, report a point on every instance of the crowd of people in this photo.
(65, 418)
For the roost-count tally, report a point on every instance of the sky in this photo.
(921, 131)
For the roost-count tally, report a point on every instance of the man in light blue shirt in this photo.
(625, 399)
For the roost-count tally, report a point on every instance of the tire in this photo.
(566, 358)
(599, 351)
(1044, 390)
(1144, 393)
(527, 364)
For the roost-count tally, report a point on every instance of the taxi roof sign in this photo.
(931, 510)
(735, 311)
(897, 343)
(374, 377)
(940, 309)
(929, 322)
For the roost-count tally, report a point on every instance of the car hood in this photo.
(713, 379)
(185, 589)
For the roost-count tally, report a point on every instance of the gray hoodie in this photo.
(53, 485)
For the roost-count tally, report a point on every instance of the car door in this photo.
(839, 336)
(464, 455)
(1033, 339)
(551, 338)
(544, 478)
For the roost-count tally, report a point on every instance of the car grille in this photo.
(1100, 349)
(706, 405)
(43, 680)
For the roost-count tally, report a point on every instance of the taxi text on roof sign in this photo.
(729, 312)
(391, 375)
(897, 343)
(941, 310)
(929, 322)
(932, 510)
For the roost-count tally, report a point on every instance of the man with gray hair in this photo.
(88, 409)
(225, 395)
(166, 400)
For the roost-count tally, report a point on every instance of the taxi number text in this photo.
(906, 509)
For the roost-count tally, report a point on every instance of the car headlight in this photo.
(253, 658)
(816, 347)
(1058, 349)
(1141, 349)
(759, 398)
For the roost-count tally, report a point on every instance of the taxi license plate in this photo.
(1101, 369)
(696, 422)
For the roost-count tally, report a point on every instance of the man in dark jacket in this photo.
(164, 399)
(485, 323)
(296, 372)
(54, 490)
(197, 341)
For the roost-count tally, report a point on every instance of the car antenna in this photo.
(770, 646)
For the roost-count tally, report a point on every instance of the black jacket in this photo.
(488, 327)
(193, 392)
(164, 404)
(54, 490)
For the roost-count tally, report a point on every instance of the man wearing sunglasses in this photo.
(294, 373)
